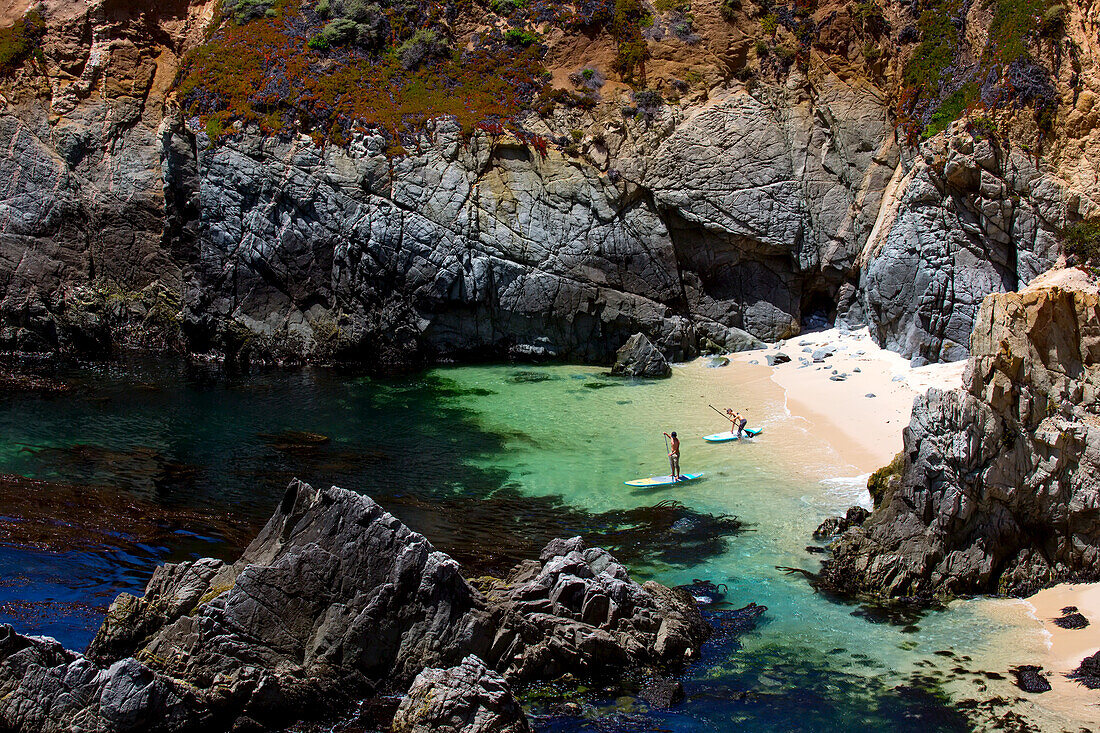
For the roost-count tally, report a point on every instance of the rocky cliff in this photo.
(1000, 486)
(336, 601)
(711, 170)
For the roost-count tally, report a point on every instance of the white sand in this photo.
(865, 431)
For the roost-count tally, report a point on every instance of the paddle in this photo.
(720, 412)
(668, 452)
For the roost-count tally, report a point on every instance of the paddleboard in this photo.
(663, 480)
(726, 436)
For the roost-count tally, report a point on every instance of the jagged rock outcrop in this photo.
(833, 526)
(1000, 489)
(336, 600)
(639, 358)
(469, 698)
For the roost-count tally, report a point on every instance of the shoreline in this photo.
(866, 433)
(1058, 651)
(865, 430)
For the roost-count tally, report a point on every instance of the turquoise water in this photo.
(489, 463)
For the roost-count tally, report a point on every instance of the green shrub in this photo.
(936, 51)
(1054, 22)
(881, 480)
(870, 16)
(871, 52)
(426, 45)
(770, 23)
(627, 21)
(519, 37)
(1013, 25)
(952, 109)
(244, 11)
(729, 8)
(20, 41)
(762, 49)
(507, 7)
(667, 6)
(340, 31)
(1082, 240)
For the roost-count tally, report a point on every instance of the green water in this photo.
(489, 463)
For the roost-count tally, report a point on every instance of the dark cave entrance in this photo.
(818, 311)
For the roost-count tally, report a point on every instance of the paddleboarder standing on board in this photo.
(674, 455)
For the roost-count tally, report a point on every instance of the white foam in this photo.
(849, 490)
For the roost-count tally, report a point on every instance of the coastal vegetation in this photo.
(331, 69)
(945, 78)
(1082, 241)
(21, 40)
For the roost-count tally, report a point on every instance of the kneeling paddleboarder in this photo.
(674, 455)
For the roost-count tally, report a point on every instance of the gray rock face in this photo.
(336, 600)
(48, 689)
(722, 222)
(639, 358)
(577, 610)
(469, 698)
(1001, 480)
(970, 220)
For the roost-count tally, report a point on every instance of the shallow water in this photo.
(489, 463)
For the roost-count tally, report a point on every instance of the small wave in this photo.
(848, 490)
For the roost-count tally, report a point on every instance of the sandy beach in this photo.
(862, 413)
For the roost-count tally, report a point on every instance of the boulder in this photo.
(780, 358)
(467, 698)
(640, 358)
(1029, 678)
(854, 517)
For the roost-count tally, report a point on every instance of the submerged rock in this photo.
(833, 526)
(468, 698)
(640, 358)
(336, 600)
(1029, 678)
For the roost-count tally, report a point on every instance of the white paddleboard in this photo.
(663, 480)
(728, 435)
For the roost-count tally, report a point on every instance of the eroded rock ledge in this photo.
(334, 601)
(1000, 491)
